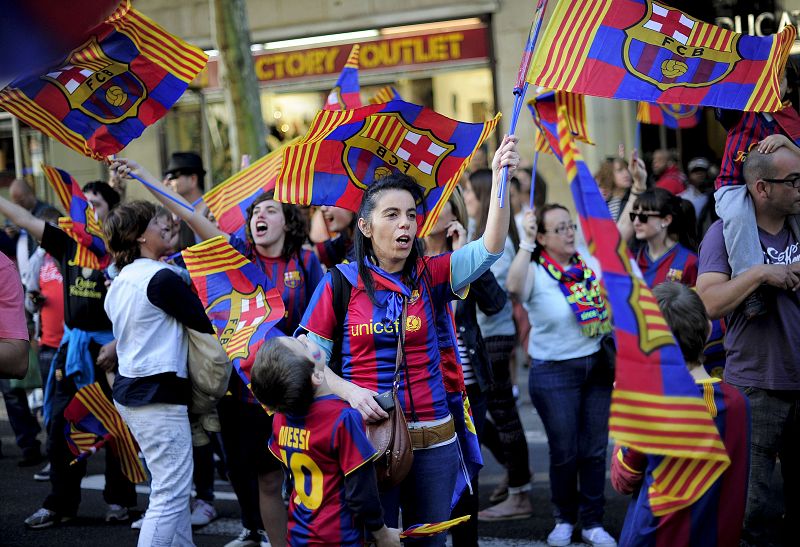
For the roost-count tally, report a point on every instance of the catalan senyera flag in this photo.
(347, 91)
(655, 405)
(92, 420)
(83, 225)
(647, 51)
(431, 529)
(544, 109)
(345, 150)
(384, 95)
(231, 289)
(124, 77)
(674, 116)
(229, 200)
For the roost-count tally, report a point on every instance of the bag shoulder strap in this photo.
(341, 298)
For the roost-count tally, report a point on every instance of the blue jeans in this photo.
(775, 432)
(573, 399)
(426, 492)
(23, 422)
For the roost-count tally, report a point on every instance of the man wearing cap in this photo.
(185, 175)
(697, 185)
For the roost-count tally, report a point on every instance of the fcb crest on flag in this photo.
(674, 116)
(661, 48)
(344, 151)
(393, 141)
(101, 87)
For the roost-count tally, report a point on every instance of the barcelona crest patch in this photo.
(669, 49)
(245, 313)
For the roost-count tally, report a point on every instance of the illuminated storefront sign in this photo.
(761, 24)
(381, 55)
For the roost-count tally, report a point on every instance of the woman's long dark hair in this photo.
(481, 183)
(683, 226)
(296, 232)
(363, 244)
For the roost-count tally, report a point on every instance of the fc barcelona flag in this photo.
(647, 51)
(674, 116)
(431, 529)
(124, 77)
(229, 200)
(84, 226)
(92, 420)
(384, 95)
(231, 289)
(347, 91)
(655, 405)
(544, 109)
(344, 151)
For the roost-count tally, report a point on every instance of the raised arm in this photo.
(22, 218)
(494, 237)
(639, 176)
(195, 219)
(520, 268)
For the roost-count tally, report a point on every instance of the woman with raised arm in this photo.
(275, 235)
(391, 275)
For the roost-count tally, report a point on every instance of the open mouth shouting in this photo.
(403, 242)
(261, 228)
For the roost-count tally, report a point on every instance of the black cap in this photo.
(185, 162)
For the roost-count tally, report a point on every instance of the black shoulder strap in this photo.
(341, 298)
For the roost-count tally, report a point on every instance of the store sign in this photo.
(761, 24)
(383, 55)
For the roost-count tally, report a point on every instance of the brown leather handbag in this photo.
(390, 437)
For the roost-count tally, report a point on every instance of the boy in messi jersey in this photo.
(716, 517)
(766, 132)
(322, 442)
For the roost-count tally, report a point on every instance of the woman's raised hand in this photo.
(458, 234)
(506, 155)
(530, 226)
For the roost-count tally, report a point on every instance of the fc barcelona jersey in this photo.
(716, 518)
(319, 450)
(369, 345)
(679, 264)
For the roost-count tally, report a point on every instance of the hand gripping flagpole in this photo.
(521, 86)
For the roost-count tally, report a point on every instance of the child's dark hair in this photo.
(363, 244)
(281, 378)
(686, 316)
(108, 194)
(296, 226)
(683, 226)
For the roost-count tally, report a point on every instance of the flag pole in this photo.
(521, 85)
(533, 176)
(158, 190)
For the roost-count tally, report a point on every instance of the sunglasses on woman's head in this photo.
(643, 217)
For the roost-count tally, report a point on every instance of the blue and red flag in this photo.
(655, 406)
(229, 200)
(93, 421)
(83, 226)
(544, 109)
(647, 51)
(674, 116)
(345, 150)
(346, 94)
(231, 289)
(124, 77)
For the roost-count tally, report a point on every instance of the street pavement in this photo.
(20, 496)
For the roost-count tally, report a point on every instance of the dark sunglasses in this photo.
(643, 217)
(793, 181)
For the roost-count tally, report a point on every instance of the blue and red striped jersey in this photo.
(319, 450)
(369, 345)
(714, 519)
(678, 264)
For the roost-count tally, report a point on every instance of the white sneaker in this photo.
(264, 539)
(202, 513)
(246, 538)
(561, 535)
(137, 524)
(598, 537)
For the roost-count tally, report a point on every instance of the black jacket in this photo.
(486, 294)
